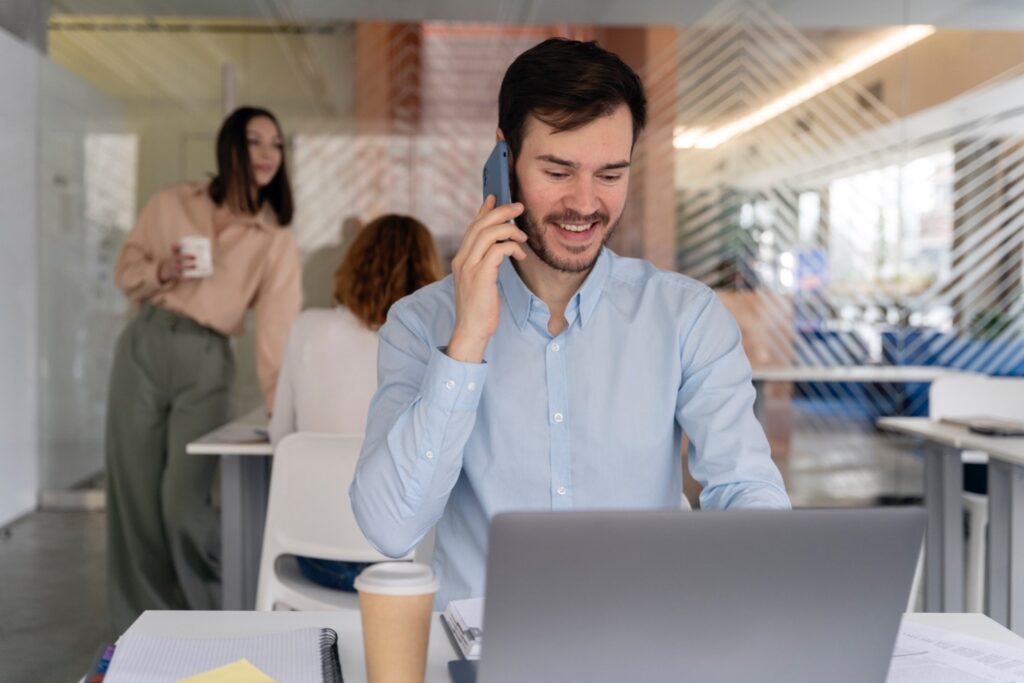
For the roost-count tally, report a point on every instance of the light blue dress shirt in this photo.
(591, 418)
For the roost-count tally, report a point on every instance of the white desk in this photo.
(943, 485)
(350, 639)
(889, 374)
(244, 485)
(851, 373)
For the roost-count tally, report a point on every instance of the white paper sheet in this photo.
(925, 654)
(288, 657)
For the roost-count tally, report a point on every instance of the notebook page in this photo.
(288, 657)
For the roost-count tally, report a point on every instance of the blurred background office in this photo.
(847, 175)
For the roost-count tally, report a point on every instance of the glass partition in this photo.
(847, 181)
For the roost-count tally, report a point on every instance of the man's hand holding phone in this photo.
(490, 238)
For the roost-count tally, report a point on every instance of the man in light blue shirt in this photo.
(547, 373)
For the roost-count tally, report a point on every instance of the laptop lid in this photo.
(804, 595)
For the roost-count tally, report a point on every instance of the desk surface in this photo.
(345, 622)
(1009, 449)
(851, 373)
(238, 437)
(349, 629)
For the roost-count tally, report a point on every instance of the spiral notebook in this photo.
(308, 655)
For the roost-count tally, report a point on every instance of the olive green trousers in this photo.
(170, 384)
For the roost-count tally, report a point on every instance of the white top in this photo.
(328, 375)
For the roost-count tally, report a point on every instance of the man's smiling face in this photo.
(573, 184)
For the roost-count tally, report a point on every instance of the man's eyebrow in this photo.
(550, 158)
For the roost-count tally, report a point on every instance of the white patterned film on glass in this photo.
(111, 174)
(917, 218)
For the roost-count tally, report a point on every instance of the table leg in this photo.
(944, 543)
(759, 400)
(1005, 562)
(245, 484)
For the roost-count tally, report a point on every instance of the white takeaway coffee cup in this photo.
(201, 250)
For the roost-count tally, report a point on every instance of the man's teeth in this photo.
(571, 227)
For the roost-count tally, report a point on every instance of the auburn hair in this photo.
(390, 258)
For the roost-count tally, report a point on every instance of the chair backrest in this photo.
(977, 396)
(309, 512)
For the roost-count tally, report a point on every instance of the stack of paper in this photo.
(465, 620)
(925, 654)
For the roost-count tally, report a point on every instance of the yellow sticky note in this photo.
(241, 671)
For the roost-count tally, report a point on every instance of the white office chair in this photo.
(976, 396)
(309, 513)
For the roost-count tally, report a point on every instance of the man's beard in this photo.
(534, 230)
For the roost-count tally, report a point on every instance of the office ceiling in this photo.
(962, 14)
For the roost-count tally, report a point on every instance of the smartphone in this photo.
(496, 175)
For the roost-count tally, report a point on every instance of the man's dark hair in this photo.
(234, 178)
(567, 84)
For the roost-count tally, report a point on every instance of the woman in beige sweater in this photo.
(173, 366)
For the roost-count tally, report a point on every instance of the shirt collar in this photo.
(590, 291)
(519, 298)
(517, 295)
(265, 219)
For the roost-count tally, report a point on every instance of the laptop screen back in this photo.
(804, 595)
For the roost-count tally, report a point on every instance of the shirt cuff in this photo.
(451, 385)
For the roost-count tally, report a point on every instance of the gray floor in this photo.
(847, 462)
(52, 594)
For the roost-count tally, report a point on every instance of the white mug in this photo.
(201, 250)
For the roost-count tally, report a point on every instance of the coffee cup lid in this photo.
(397, 578)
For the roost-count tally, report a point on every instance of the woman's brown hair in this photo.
(391, 257)
(234, 170)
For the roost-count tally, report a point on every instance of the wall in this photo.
(86, 202)
(18, 290)
(965, 60)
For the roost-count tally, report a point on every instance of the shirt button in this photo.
(471, 386)
(558, 417)
(450, 384)
(555, 347)
(561, 490)
(429, 455)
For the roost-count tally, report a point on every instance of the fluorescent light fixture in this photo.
(686, 138)
(702, 138)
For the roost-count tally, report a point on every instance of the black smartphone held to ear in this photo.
(496, 175)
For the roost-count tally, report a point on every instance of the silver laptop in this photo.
(804, 595)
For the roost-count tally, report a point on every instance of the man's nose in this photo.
(582, 197)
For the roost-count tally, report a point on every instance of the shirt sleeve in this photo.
(135, 272)
(420, 419)
(278, 301)
(728, 453)
(283, 419)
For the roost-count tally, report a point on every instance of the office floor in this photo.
(53, 614)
